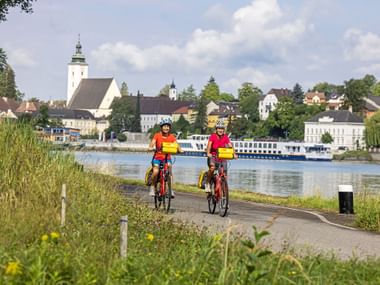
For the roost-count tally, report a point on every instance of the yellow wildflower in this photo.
(150, 237)
(44, 237)
(54, 235)
(218, 237)
(13, 268)
(292, 273)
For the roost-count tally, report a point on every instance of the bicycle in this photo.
(219, 186)
(164, 194)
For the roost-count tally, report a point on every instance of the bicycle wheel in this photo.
(223, 201)
(157, 197)
(211, 198)
(166, 199)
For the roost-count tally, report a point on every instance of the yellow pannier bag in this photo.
(169, 148)
(225, 153)
(202, 179)
(148, 176)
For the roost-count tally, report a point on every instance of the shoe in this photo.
(207, 188)
(152, 191)
(173, 195)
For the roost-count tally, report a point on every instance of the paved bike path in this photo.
(304, 231)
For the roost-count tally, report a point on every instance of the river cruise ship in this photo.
(263, 149)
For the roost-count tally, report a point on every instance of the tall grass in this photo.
(35, 250)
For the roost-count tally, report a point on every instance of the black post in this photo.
(346, 199)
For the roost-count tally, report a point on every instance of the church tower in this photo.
(77, 70)
(172, 91)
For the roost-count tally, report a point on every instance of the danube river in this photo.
(272, 177)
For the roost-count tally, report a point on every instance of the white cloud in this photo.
(361, 46)
(259, 30)
(257, 77)
(370, 69)
(21, 58)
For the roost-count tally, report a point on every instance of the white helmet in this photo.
(220, 125)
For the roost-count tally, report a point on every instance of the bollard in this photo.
(63, 205)
(346, 199)
(123, 236)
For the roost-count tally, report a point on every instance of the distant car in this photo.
(344, 148)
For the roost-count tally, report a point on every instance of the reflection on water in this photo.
(279, 178)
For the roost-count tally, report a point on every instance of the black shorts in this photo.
(217, 163)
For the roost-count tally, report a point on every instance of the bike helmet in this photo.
(220, 124)
(166, 121)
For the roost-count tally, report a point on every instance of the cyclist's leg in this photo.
(210, 173)
(156, 168)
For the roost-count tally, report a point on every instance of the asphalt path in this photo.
(302, 231)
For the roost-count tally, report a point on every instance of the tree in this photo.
(327, 138)
(227, 97)
(7, 83)
(239, 127)
(122, 114)
(124, 89)
(280, 119)
(328, 88)
(136, 122)
(375, 89)
(372, 130)
(369, 80)
(211, 91)
(356, 89)
(200, 123)
(188, 94)
(26, 6)
(3, 60)
(297, 94)
(249, 97)
(164, 90)
(182, 125)
(42, 119)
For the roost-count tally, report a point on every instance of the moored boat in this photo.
(263, 149)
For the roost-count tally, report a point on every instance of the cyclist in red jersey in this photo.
(163, 135)
(215, 141)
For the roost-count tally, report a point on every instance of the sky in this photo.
(149, 43)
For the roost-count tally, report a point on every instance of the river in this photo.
(272, 177)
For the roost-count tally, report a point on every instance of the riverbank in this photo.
(36, 249)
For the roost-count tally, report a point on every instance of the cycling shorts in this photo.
(217, 162)
(157, 162)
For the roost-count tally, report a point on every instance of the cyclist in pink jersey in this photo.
(216, 140)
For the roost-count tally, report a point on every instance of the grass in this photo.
(34, 249)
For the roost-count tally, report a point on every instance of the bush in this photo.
(121, 137)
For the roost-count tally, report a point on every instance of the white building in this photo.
(269, 102)
(92, 94)
(346, 129)
(76, 71)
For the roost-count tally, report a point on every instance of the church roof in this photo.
(71, 114)
(340, 116)
(90, 93)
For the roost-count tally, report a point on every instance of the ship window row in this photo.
(255, 145)
(258, 151)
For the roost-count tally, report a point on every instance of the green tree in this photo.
(355, 89)
(372, 130)
(297, 94)
(164, 90)
(327, 138)
(249, 97)
(3, 60)
(200, 124)
(7, 83)
(375, 89)
(136, 122)
(122, 114)
(211, 91)
(182, 125)
(227, 97)
(239, 127)
(280, 119)
(328, 88)
(42, 119)
(369, 80)
(188, 94)
(124, 89)
(25, 5)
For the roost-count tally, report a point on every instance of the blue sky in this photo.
(147, 43)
